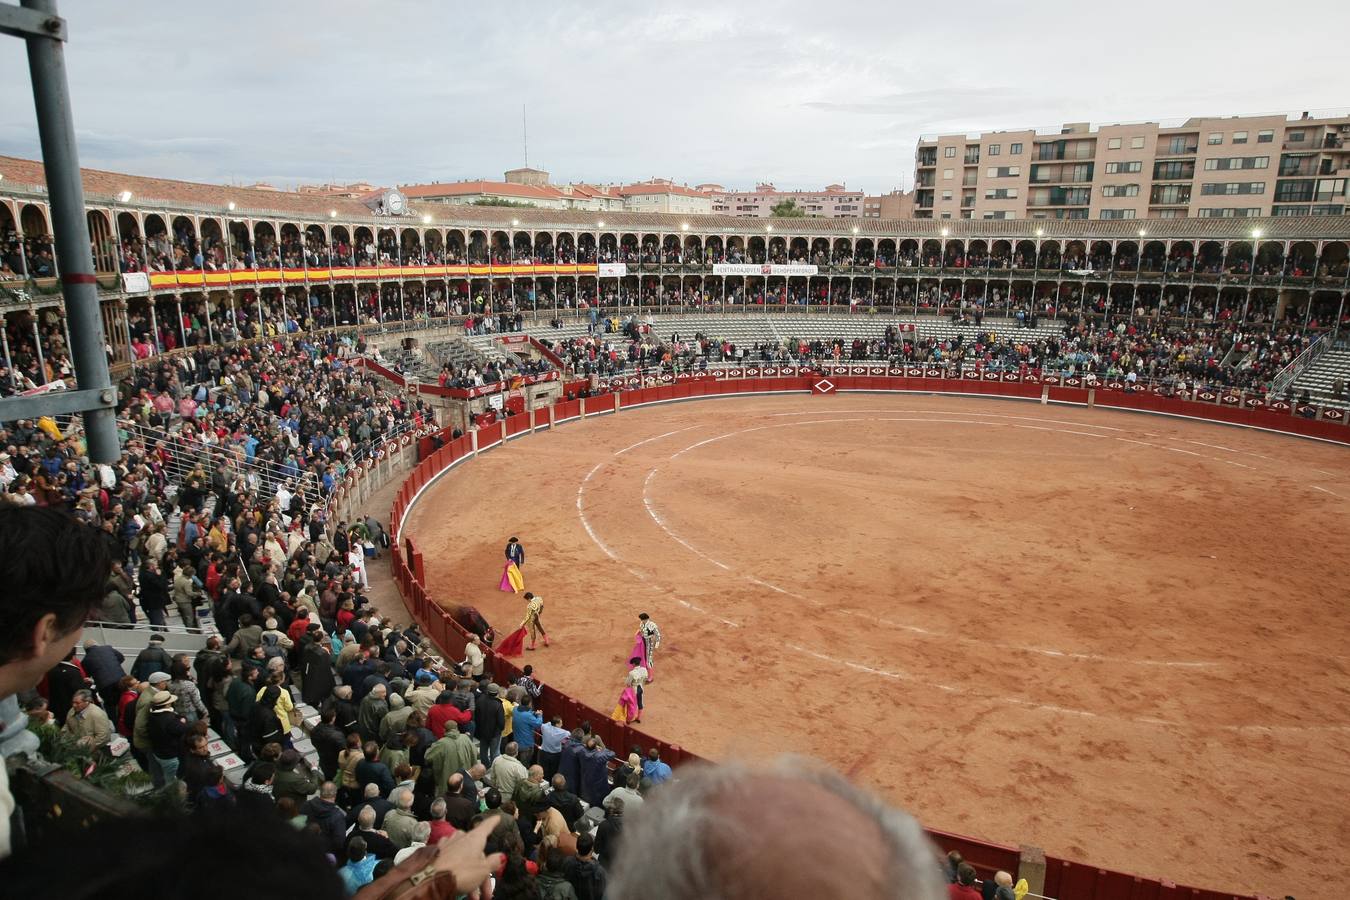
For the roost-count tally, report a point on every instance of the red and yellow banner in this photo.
(168, 281)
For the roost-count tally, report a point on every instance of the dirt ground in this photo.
(1122, 638)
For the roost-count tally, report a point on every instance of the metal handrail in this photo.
(1281, 382)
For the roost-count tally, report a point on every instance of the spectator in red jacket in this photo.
(964, 888)
(444, 710)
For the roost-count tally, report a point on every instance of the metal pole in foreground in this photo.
(56, 130)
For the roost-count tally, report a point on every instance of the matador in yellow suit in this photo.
(534, 606)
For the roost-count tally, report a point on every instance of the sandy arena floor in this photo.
(1120, 637)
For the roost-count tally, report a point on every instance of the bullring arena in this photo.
(1115, 635)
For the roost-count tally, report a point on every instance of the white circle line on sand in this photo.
(661, 523)
(954, 412)
(1056, 708)
(1263, 729)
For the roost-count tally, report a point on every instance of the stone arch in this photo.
(101, 241)
(214, 257)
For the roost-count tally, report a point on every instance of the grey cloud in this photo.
(704, 91)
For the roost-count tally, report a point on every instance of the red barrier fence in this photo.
(1063, 878)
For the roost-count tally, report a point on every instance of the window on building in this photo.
(1296, 137)
(946, 174)
(1113, 144)
(1215, 138)
(1230, 188)
(1327, 209)
(1170, 194)
(1120, 190)
(1015, 149)
(1229, 212)
(995, 149)
(1265, 137)
(1330, 188)
(946, 195)
(1000, 194)
(949, 152)
(1137, 142)
(998, 214)
(1116, 168)
(1239, 137)
(1226, 163)
(1002, 171)
(1180, 145)
(1117, 214)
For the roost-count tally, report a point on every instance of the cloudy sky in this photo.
(800, 94)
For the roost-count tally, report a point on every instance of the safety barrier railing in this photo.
(932, 376)
(1301, 363)
(1062, 878)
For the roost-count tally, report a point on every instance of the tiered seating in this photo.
(745, 331)
(1318, 379)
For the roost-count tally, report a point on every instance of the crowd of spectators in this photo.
(421, 769)
(1137, 349)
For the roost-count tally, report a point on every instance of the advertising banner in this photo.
(794, 269)
(135, 282)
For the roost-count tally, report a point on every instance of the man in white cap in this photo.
(166, 729)
(140, 733)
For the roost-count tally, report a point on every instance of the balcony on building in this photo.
(1179, 146)
(1298, 166)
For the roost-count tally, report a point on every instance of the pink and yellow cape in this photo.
(512, 581)
(627, 709)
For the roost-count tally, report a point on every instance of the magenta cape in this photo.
(627, 709)
(512, 581)
(640, 651)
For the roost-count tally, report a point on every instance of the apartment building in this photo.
(661, 195)
(530, 187)
(1233, 167)
(834, 202)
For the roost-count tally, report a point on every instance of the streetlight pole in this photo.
(44, 31)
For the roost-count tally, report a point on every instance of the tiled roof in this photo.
(100, 184)
(473, 188)
(648, 188)
(582, 189)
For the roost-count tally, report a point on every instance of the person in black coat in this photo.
(62, 683)
(264, 726)
(103, 664)
(565, 802)
(328, 740)
(152, 659)
(153, 591)
(348, 713)
(316, 669)
(324, 812)
(489, 721)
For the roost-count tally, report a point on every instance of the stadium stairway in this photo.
(1317, 379)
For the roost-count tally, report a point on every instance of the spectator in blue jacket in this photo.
(654, 769)
(525, 720)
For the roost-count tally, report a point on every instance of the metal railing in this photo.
(1300, 363)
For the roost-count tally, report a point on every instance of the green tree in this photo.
(787, 209)
(500, 201)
